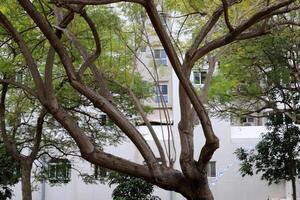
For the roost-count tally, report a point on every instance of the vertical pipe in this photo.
(171, 195)
(43, 190)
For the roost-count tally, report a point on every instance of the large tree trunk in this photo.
(202, 192)
(26, 181)
(294, 188)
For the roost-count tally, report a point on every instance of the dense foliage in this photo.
(275, 157)
(71, 62)
(9, 173)
(257, 74)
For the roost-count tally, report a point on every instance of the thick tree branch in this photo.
(91, 59)
(26, 53)
(201, 36)
(19, 85)
(51, 55)
(212, 62)
(204, 32)
(9, 145)
(253, 34)
(100, 102)
(166, 42)
(184, 80)
(230, 37)
(141, 111)
(38, 135)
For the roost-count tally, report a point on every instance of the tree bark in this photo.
(201, 192)
(26, 180)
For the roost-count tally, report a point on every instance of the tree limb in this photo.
(230, 37)
(226, 17)
(9, 145)
(26, 53)
(100, 102)
(38, 135)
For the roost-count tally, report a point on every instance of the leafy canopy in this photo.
(276, 155)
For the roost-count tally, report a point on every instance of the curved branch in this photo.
(147, 122)
(51, 55)
(26, 53)
(184, 80)
(100, 102)
(91, 59)
(38, 135)
(9, 145)
(19, 85)
(98, 76)
(230, 37)
(226, 17)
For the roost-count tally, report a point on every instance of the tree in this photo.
(25, 161)
(276, 155)
(23, 121)
(9, 173)
(267, 77)
(191, 180)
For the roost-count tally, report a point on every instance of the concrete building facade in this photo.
(225, 179)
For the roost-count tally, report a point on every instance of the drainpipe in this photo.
(171, 195)
(43, 190)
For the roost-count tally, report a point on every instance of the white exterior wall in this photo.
(228, 185)
(76, 189)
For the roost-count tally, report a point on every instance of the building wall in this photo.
(229, 184)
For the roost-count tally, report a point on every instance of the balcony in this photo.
(243, 132)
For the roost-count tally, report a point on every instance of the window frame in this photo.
(212, 169)
(59, 171)
(248, 121)
(200, 77)
(160, 94)
(103, 119)
(160, 57)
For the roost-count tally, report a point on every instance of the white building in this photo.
(225, 180)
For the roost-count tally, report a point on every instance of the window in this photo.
(161, 93)
(159, 160)
(247, 121)
(199, 77)
(211, 169)
(19, 77)
(160, 57)
(103, 119)
(143, 49)
(203, 76)
(59, 171)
